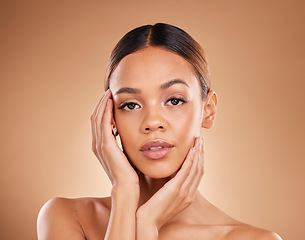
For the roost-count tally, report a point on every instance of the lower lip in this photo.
(156, 154)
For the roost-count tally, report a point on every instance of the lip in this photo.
(156, 149)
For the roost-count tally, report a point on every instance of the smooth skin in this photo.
(154, 94)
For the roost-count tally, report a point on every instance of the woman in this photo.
(157, 100)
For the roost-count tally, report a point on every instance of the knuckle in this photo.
(94, 118)
(94, 148)
(189, 200)
(98, 148)
(99, 153)
(94, 145)
(104, 146)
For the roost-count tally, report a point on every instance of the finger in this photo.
(92, 120)
(97, 105)
(106, 128)
(194, 168)
(99, 116)
(185, 168)
(96, 122)
(102, 130)
(195, 183)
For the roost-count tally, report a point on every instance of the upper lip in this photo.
(155, 143)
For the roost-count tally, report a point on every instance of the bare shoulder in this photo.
(72, 218)
(245, 231)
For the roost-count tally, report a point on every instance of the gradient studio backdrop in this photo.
(53, 58)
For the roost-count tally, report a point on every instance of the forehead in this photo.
(153, 66)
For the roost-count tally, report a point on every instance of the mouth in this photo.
(156, 149)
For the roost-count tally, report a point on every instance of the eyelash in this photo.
(180, 101)
(122, 106)
(126, 104)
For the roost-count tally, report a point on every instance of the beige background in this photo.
(53, 56)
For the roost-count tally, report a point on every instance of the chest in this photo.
(194, 233)
(170, 233)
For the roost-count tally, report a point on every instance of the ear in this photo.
(113, 126)
(210, 109)
(114, 129)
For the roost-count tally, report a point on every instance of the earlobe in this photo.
(114, 130)
(210, 109)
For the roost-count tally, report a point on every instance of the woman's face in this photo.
(158, 109)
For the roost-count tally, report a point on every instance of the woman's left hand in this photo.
(176, 194)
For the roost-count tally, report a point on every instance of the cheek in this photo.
(126, 126)
(187, 127)
(188, 121)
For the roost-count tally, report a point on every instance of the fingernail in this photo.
(201, 140)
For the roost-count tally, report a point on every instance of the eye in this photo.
(129, 106)
(176, 101)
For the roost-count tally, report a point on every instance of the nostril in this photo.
(148, 129)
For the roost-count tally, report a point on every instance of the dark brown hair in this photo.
(165, 36)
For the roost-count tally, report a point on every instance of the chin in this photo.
(159, 176)
(159, 171)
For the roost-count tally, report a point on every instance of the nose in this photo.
(153, 121)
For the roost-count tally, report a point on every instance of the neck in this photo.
(149, 186)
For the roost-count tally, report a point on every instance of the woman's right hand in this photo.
(125, 181)
(105, 147)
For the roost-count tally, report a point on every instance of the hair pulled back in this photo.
(165, 36)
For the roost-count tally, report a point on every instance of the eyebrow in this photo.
(163, 87)
(172, 82)
(128, 90)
